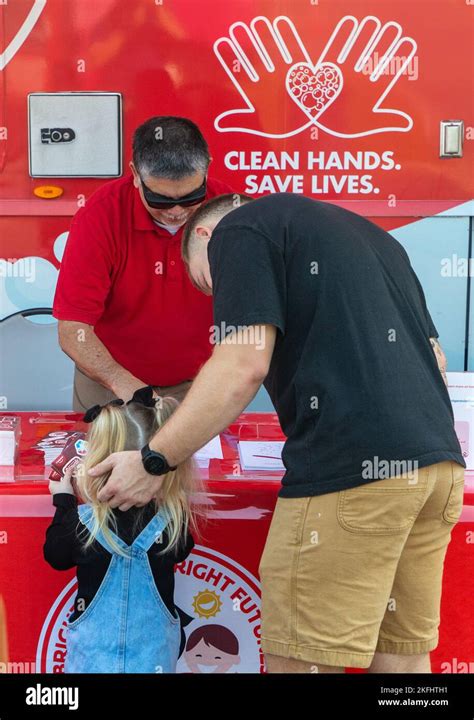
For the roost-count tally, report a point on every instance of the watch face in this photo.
(154, 464)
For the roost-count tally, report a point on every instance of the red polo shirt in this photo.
(124, 275)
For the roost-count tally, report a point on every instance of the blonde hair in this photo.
(130, 427)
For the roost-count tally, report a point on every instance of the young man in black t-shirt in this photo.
(352, 568)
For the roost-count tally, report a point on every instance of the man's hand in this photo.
(126, 388)
(79, 341)
(129, 484)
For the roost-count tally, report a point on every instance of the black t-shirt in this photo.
(353, 376)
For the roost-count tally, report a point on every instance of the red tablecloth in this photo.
(217, 584)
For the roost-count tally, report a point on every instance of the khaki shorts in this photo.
(87, 392)
(357, 571)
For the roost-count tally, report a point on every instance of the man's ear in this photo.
(134, 172)
(203, 232)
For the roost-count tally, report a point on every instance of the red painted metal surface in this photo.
(242, 504)
(162, 57)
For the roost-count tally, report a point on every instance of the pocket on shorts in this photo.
(453, 509)
(383, 507)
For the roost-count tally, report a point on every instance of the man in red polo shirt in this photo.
(128, 313)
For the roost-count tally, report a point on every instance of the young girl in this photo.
(124, 619)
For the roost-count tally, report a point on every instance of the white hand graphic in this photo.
(337, 77)
(256, 58)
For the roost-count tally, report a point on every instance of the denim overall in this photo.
(127, 628)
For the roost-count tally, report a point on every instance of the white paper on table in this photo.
(212, 449)
(9, 439)
(461, 387)
(461, 392)
(7, 447)
(261, 455)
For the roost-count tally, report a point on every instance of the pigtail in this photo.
(179, 490)
(108, 434)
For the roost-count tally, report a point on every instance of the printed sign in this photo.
(344, 93)
(221, 596)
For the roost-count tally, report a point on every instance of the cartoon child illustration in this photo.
(212, 649)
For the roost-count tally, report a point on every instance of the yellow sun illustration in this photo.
(206, 603)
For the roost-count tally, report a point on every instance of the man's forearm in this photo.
(81, 344)
(440, 358)
(217, 397)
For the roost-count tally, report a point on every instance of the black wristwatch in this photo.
(154, 462)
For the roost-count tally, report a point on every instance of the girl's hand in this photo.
(62, 486)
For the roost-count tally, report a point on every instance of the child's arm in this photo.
(61, 547)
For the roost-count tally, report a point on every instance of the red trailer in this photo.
(279, 92)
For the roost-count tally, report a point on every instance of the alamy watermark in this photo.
(17, 668)
(377, 469)
(41, 695)
(238, 335)
(393, 67)
(19, 267)
(456, 266)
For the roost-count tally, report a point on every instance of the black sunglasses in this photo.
(162, 202)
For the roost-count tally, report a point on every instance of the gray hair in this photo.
(169, 147)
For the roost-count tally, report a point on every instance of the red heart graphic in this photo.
(313, 90)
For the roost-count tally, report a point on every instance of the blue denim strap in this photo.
(152, 532)
(86, 518)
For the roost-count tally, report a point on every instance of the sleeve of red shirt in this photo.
(86, 269)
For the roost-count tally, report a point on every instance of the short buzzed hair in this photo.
(212, 209)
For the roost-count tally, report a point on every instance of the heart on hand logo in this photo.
(314, 89)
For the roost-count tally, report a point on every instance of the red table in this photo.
(217, 584)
